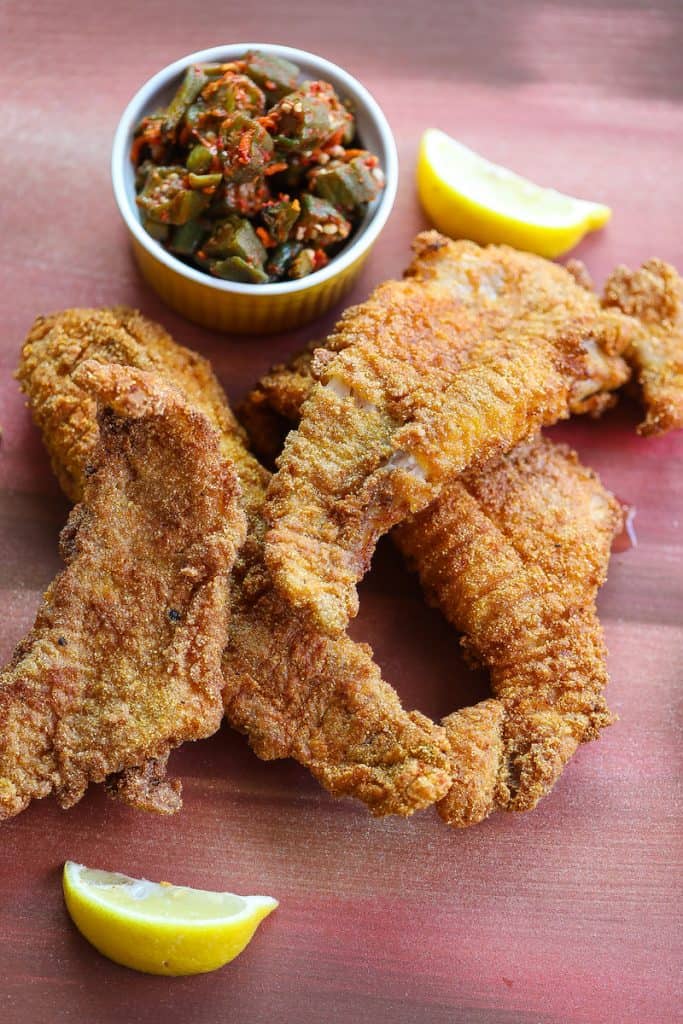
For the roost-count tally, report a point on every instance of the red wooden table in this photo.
(569, 914)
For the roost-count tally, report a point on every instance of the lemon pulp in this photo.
(467, 196)
(160, 928)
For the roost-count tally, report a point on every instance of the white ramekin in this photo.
(253, 308)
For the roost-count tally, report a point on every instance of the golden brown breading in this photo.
(539, 524)
(653, 294)
(124, 660)
(472, 352)
(65, 414)
(273, 407)
(147, 787)
(299, 693)
(294, 692)
(513, 555)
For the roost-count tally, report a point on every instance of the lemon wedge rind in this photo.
(159, 928)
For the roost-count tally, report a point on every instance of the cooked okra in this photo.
(248, 174)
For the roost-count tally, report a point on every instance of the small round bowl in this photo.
(253, 308)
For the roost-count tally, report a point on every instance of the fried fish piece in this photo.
(124, 660)
(513, 555)
(65, 413)
(653, 294)
(476, 349)
(299, 693)
(295, 692)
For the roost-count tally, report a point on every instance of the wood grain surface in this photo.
(568, 914)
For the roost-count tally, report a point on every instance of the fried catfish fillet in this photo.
(124, 660)
(475, 350)
(65, 413)
(513, 555)
(653, 294)
(292, 690)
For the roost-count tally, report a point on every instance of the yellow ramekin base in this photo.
(244, 314)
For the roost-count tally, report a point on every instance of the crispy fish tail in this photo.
(321, 700)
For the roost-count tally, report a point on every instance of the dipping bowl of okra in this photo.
(253, 179)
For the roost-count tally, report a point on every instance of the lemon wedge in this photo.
(466, 196)
(160, 928)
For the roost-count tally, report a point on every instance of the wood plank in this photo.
(569, 914)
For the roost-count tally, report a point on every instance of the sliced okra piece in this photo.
(203, 124)
(234, 93)
(141, 174)
(348, 185)
(320, 222)
(234, 268)
(216, 70)
(192, 84)
(280, 257)
(275, 75)
(235, 236)
(160, 232)
(199, 160)
(303, 264)
(280, 217)
(187, 238)
(166, 199)
(309, 117)
(204, 180)
(245, 198)
(246, 148)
